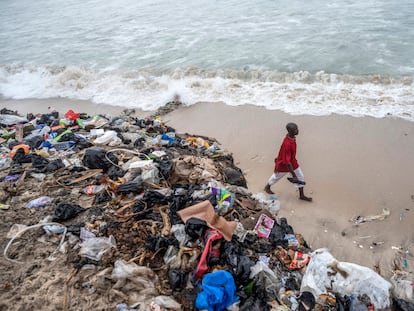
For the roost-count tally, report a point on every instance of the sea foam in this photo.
(295, 93)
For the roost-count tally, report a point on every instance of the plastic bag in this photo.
(39, 202)
(98, 158)
(150, 175)
(219, 291)
(166, 302)
(5, 163)
(22, 157)
(177, 279)
(224, 198)
(180, 234)
(71, 115)
(14, 230)
(94, 248)
(234, 176)
(325, 272)
(170, 257)
(195, 227)
(239, 264)
(9, 119)
(130, 187)
(65, 211)
(166, 167)
(108, 138)
(403, 286)
(123, 270)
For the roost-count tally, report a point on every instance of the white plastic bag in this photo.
(272, 205)
(180, 234)
(325, 272)
(166, 302)
(123, 270)
(150, 175)
(402, 286)
(261, 266)
(94, 248)
(108, 138)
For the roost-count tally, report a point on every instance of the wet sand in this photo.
(353, 167)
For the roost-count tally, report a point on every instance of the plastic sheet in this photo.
(325, 272)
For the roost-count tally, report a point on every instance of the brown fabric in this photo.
(205, 211)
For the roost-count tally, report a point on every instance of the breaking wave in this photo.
(295, 93)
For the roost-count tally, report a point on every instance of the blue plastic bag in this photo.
(218, 291)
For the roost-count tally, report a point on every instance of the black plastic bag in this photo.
(114, 172)
(48, 118)
(402, 305)
(99, 158)
(195, 227)
(156, 242)
(65, 211)
(21, 157)
(177, 279)
(75, 229)
(306, 301)
(165, 167)
(277, 235)
(80, 142)
(178, 202)
(54, 166)
(342, 303)
(234, 176)
(239, 264)
(254, 304)
(139, 206)
(139, 143)
(39, 162)
(34, 142)
(130, 187)
(153, 197)
(102, 197)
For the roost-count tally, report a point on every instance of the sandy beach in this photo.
(353, 167)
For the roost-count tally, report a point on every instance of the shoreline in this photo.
(353, 167)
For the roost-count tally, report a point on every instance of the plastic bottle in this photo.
(39, 202)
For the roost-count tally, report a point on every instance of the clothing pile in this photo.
(124, 213)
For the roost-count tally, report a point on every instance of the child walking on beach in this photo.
(286, 163)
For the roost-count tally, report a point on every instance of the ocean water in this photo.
(303, 57)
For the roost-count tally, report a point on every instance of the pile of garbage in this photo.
(123, 213)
